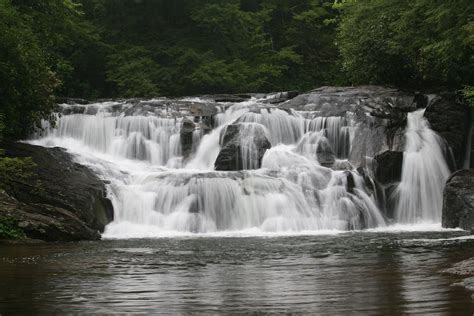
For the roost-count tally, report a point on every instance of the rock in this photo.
(73, 101)
(463, 268)
(73, 109)
(325, 154)
(335, 101)
(450, 117)
(187, 137)
(69, 204)
(379, 114)
(458, 200)
(350, 186)
(242, 147)
(45, 222)
(469, 284)
(388, 167)
(274, 98)
(233, 98)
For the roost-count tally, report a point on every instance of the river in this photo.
(372, 272)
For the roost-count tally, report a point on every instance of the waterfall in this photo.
(306, 181)
(424, 173)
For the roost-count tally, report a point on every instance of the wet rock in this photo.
(450, 117)
(64, 200)
(45, 222)
(187, 137)
(463, 268)
(325, 154)
(233, 98)
(336, 101)
(279, 97)
(380, 115)
(234, 143)
(73, 101)
(350, 182)
(458, 200)
(388, 167)
(73, 109)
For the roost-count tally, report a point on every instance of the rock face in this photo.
(186, 134)
(242, 148)
(380, 113)
(388, 167)
(325, 154)
(450, 118)
(458, 200)
(335, 101)
(69, 203)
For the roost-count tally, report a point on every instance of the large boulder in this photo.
(450, 117)
(186, 137)
(242, 147)
(62, 201)
(325, 154)
(458, 200)
(388, 167)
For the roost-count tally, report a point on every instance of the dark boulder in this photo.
(449, 117)
(44, 221)
(458, 200)
(325, 154)
(242, 147)
(350, 184)
(63, 201)
(388, 167)
(186, 134)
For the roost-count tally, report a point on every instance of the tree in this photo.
(28, 83)
(419, 43)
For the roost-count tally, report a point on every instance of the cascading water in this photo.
(424, 174)
(304, 183)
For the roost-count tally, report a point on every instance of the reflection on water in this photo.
(368, 273)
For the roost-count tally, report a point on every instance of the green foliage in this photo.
(9, 229)
(17, 170)
(407, 43)
(133, 73)
(468, 93)
(26, 92)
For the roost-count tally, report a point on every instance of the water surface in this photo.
(364, 272)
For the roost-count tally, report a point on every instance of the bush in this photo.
(9, 229)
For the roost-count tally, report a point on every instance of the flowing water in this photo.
(155, 190)
(368, 273)
(424, 173)
(305, 183)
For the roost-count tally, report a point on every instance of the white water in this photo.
(155, 192)
(424, 174)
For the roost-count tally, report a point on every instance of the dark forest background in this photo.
(141, 48)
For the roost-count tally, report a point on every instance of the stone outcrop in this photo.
(450, 117)
(325, 154)
(388, 167)
(380, 113)
(336, 101)
(458, 200)
(62, 201)
(186, 136)
(236, 142)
